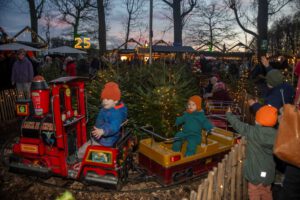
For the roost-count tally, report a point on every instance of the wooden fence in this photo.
(7, 104)
(226, 180)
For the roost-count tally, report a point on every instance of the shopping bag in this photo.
(287, 142)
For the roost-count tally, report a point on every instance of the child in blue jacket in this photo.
(193, 121)
(110, 117)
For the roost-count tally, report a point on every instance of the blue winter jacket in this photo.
(110, 121)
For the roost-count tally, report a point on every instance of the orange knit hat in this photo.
(197, 100)
(112, 91)
(266, 116)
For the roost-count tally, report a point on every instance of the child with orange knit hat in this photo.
(193, 121)
(259, 166)
(110, 117)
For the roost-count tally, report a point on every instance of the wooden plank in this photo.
(193, 195)
(200, 191)
(220, 181)
(5, 106)
(210, 185)
(205, 189)
(10, 104)
(13, 101)
(239, 175)
(227, 177)
(233, 173)
(245, 183)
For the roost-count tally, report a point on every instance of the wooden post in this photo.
(245, 183)
(228, 176)
(220, 181)
(193, 195)
(205, 189)
(210, 185)
(239, 172)
(200, 191)
(233, 173)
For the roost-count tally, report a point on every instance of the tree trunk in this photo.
(177, 23)
(262, 28)
(127, 31)
(102, 27)
(33, 20)
(76, 24)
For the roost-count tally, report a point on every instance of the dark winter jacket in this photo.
(110, 121)
(259, 166)
(273, 96)
(22, 71)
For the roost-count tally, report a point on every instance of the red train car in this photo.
(54, 127)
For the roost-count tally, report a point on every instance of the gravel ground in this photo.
(16, 186)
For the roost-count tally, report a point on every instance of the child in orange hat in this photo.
(193, 121)
(110, 117)
(259, 167)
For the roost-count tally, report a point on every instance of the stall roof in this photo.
(168, 49)
(227, 54)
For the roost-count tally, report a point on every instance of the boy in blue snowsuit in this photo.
(193, 121)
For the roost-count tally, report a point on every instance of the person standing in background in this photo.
(22, 73)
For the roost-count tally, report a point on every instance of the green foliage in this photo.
(50, 72)
(154, 95)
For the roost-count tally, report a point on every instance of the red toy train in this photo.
(54, 127)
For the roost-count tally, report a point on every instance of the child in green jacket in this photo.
(259, 166)
(193, 121)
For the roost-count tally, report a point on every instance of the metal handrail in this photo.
(157, 135)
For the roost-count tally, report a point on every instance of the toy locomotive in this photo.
(54, 127)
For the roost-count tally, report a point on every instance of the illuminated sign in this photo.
(36, 125)
(86, 43)
(29, 148)
(22, 109)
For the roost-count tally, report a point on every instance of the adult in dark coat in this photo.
(279, 92)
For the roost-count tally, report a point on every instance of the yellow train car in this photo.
(172, 167)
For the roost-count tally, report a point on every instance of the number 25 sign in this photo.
(86, 43)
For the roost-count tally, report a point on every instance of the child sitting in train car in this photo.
(193, 120)
(259, 167)
(110, 117)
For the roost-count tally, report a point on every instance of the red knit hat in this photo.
(112, 91)
(266, 116)
(197, 100)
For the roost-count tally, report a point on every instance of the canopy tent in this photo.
(65, 50)
(16, 46)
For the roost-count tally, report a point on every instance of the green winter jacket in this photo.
(194, 122)
(259, 166)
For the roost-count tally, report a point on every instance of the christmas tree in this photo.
(155, 95)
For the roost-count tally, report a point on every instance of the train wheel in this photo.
(176, 176)
(189, 172)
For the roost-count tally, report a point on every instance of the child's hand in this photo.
(251, 102)
(229, 109)
(97, 133)
(265, 61)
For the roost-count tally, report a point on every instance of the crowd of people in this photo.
(261, 164)
(19, 69)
